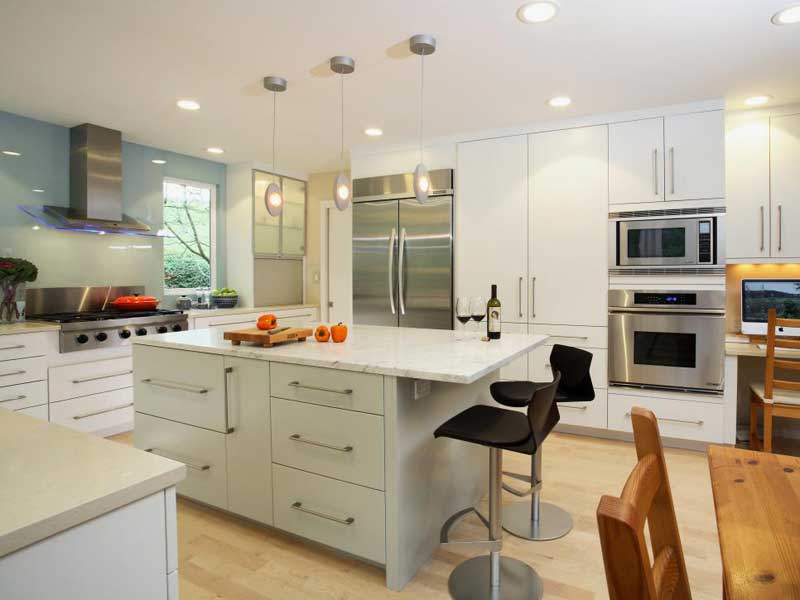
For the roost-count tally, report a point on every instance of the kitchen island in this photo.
(330, 442)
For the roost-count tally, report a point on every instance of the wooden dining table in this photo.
(757, 503)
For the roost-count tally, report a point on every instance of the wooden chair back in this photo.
(773, 341)
(646, 497)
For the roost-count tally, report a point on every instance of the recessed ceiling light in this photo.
(159, 161)
(559, 101)
(757, 100)
(101, 233)
(215, 150)
(36, 228)
(537, 12)
(188, 105)
(11, 153)
(373, 131)
(38, 190)
(788, 16)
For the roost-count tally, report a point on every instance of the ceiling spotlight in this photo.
(757, 100)
(188, 105)
(38, 190)
(559, 101)
(11, 153)
(373, 131)
(537, 12)
(788, 16)
(159, 161)
(215, 150)
(36, 228)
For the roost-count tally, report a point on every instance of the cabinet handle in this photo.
(298, 438)
(521, 279)
(185, 387)
(562, 405)
(195, 466)
(762, 227)
(10, 373)
(698, 423)
(15, 347)
(299, 506)
(780, 227)
(228, 372)
(570, 337)
(99, 377)
(101, 412)
(319, 388)
(12, 398)
(655, 171)
(392, 239)
(533, 297)
(672, 170)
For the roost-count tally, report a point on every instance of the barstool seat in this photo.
(487, 426)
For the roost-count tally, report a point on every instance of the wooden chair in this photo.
(645, 497)
(776, 397)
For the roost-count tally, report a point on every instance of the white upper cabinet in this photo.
(747, 183)
(636, 161)
(785, 185)
(491, 221)
(695, 156)
(568, 226)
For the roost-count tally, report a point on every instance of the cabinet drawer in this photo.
(23, 370)
(586, 414)
(574, 335)
(37, 412)
(26, 395)
(23, 345)
(330, 387)
(188, 387)
(341, 515)
(682, 419)
(539, 365)
(342, 444)
(201, 450)
(72, 381)
(96, 412)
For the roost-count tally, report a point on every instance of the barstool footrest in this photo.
(455, 519)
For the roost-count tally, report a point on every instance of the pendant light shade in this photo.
(421, 45)
(342, 190)
(273, 196)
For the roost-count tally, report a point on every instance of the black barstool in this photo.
(496, 576)
(541, 520)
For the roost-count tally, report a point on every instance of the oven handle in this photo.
(702, 312)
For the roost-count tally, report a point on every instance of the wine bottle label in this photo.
(494, 319)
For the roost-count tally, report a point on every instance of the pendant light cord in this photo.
(421, 96)
(274, 121)
(341, 152)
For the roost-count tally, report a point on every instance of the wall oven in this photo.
(667, 340)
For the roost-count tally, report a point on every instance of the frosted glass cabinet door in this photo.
(266, 228)
(294, 217)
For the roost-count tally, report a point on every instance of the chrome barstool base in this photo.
(554, 522)
(471, 580)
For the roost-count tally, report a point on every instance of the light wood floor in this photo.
(221, 556)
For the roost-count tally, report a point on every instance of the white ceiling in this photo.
(124, 64)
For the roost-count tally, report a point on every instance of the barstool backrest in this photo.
(543, 412)
(574, 365)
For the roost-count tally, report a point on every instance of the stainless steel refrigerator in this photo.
(403, 252)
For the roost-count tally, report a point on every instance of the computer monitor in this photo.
(759, 295)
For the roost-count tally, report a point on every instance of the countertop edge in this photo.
(242, 310)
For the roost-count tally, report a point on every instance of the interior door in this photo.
(336, 268)
(375, 263)
(785, 178)
(425, 263)
(636, 161)
(695, 147)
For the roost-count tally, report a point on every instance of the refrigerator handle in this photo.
(401, 251)
(392, 239)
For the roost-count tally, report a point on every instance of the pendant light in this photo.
(342, 190)
(273, 196)
(421, 45)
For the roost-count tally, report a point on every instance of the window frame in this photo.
(212, 238)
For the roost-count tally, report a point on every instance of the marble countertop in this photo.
(28, 327)
(435, 354)
(240, 310)
(53, 478)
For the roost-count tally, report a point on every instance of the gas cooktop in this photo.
(101, 315)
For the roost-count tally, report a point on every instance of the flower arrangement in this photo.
(14, 274)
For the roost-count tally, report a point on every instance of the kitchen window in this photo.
(190, 220)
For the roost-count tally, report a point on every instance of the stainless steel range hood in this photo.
(95, 187)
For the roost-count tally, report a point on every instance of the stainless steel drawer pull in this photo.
(12, 398)
(298, 438)
(698, 423)
(185, 387)
(101, 412)
(319, 388)
(571, 337)
(190, 465)
(562, 405)
(299, 506)
(99, 377)
(10, 373)
(17, 347)
(521, 279)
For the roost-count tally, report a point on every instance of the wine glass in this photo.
(478, 310)
(463, 312)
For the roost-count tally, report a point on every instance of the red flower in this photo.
(6, 265)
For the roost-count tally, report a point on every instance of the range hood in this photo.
(95, 187)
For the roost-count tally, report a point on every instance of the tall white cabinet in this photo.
(785, 185)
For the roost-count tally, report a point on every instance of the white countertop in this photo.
(434, 354)
(28, 327)
(53, 478)
(240, 310)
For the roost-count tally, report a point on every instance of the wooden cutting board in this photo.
(268, 338)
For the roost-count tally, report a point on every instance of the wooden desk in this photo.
(757, 502)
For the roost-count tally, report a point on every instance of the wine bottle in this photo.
(494, 320)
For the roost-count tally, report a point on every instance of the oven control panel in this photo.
(704, 242)
(665, 299)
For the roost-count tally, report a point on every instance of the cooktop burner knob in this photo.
(162, 329)
(141, 331)
(177, 327)
(101, 337)
(82, 338)
(125, 334)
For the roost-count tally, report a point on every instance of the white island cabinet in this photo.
(330, 442)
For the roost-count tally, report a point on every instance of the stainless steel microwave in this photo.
(697, 241)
